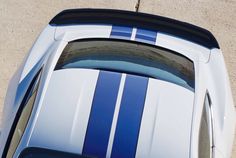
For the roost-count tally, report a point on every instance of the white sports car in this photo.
(102, 83)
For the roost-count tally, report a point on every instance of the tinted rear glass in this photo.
(129, 57)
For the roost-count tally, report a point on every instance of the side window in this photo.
(21, 125)
(22, 117)
(205, 142)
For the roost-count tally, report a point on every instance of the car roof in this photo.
(99, 108)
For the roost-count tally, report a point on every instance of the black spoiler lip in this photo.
(135, 19)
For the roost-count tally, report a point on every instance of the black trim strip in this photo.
(35, 152)
(127, 18)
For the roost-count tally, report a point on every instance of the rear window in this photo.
(129, 57)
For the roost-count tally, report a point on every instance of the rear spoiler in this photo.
(142, 20)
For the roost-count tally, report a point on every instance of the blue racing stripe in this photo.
(121, 32)
(130, 116)
(146, 36)
(101, 116)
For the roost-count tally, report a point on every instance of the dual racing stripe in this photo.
(131, 107)
(141, 35)
(102, 115)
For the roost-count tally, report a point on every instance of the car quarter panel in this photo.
(219, 89)
(38, 50)
(16, 89)
(14, 108)
(212, 77)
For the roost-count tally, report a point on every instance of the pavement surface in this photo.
(21, 21)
